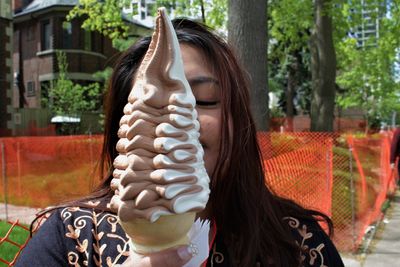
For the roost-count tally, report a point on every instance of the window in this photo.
(135, 9)
(66, 35)
(143, 8)
(30, 88)
(46, 35)
(88, 41)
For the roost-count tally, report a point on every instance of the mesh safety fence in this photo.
(344, 176)
(43, 171)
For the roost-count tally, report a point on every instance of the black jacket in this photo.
(84, 237)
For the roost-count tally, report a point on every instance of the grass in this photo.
(18, 235)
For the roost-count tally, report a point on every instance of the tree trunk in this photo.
(203, 15)
(247, 31)
(290, 92)
(323, 69)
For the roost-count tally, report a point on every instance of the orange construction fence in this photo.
(344, 176)
(347, 177)
(43, 171)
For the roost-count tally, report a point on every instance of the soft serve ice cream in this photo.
(159, 179)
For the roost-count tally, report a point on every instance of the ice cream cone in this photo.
(160, 178)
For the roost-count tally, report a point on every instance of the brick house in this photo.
(5, 67)
(41, 29)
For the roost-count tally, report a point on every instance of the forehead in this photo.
(195, 62)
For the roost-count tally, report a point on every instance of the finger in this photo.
(175, 257)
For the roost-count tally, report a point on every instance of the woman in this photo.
(251, 226)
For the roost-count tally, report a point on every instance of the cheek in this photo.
(210, 124)
(210, 138)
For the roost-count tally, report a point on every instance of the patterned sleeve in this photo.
(75, 236)
(46, 248)
(317, 248)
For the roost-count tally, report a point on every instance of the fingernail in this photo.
(188, 252)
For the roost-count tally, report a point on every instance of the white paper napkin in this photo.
(198, 235)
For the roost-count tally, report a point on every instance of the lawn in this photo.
(18, 235)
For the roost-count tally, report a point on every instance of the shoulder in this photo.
(92, 237)
(316, 247)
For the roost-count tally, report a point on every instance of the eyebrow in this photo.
(202, 79)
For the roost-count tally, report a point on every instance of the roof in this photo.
(38, 5)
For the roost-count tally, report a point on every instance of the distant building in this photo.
(40, 30)
(142, 11)
(6, 79)
(367, 33)
(397, 66)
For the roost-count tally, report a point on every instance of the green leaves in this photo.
(102, 16)
(68, 98)
(290, 23)
(366, 73)
(215, 11)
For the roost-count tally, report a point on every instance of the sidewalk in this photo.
(385, 248)
(23, 214)
(350, 262)
(386, 251)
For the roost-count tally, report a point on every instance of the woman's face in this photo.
(206, 90)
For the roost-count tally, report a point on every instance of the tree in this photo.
(102, 16)
(68, 98)
(290, 24)
(366, 70)
(365, 73)
(247, 28)
(323, 68)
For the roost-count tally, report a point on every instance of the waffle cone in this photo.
(168, 231)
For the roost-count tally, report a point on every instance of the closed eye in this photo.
(206, 103)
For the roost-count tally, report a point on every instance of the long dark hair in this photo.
(248, 215)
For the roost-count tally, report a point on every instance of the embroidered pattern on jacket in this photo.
(216, 256)
(313, 253)
(76, 220)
